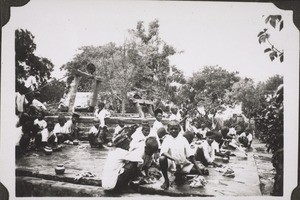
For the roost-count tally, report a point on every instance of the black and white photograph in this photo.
(149, 99)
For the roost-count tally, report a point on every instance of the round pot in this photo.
(60, 169)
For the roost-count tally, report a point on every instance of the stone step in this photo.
(38, 187)
(111, 120)
(53, 177)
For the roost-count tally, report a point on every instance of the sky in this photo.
(208, 33)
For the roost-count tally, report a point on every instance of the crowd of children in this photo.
(169, 148)
(169, 145)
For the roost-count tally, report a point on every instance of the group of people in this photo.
(172, 148)
(33, 132)
(182, 148)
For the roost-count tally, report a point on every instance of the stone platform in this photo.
(35, 173)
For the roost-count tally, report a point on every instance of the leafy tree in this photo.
(269, 124)
(272, 84)
(53, 91)
(208, 87)
(140, 64)
(246, 93)
(27, 63)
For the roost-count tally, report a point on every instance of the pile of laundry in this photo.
(198, 182)
(84, 174)
(227, 171)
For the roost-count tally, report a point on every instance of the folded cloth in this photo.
(198, 181)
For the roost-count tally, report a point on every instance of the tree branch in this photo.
(274, 47)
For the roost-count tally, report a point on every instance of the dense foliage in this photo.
(27, 63)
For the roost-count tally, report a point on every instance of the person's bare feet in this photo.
(165, 185)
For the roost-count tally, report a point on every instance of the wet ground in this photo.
(253, 176)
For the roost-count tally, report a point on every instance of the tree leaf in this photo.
(263, 38)
(260, 33)
(273, 22)
(273, 54)
(279, 17)
(281, 58)
(271, 57)
(267, 49)
(281, 25)
(267, 19)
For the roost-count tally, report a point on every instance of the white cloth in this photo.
(102, 115)
(20, 100)
(117, 130)
(59, 129)
(209, 150)
(39, 105)
(93, 130)
(68, 126)
(249, 136)
(30, 82)
(114, 164)
(232, 132)
(19, 134)
(157, 125)
(41, 123)
(46, 134)
(178, 148)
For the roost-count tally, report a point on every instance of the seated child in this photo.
(139, 137)
(206, 151)
(23, 138)
(175, 152)
(115, 161)
(119, 128)
(202, 131)
(158, 118)
(226, 139)
(94, 139)
(161, 134)
(232, 131)
(122, 166)
(46, 136)
(59, 129)
(246, 137)
(40, 121)
(71, 128)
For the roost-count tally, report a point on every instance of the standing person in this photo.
(72, 129)
(175, 152)
(158, 118)
(101, 113)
